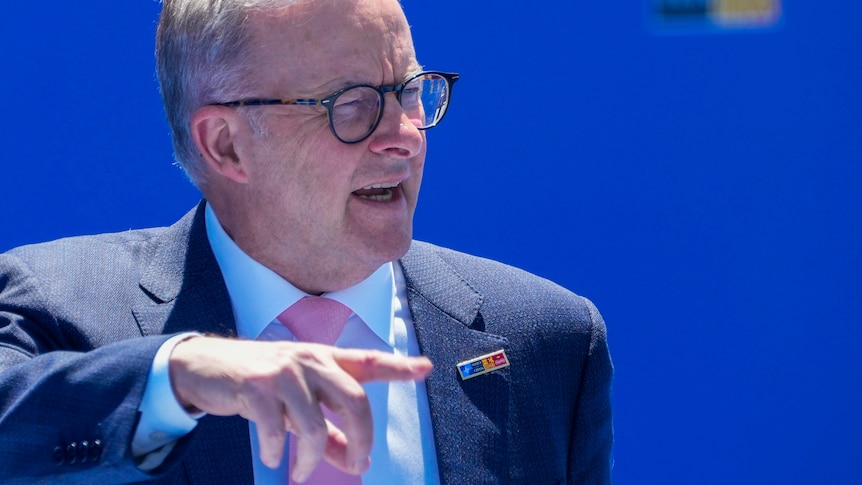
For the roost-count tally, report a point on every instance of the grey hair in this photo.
(202, 57)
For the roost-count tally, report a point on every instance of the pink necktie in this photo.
(318, 320)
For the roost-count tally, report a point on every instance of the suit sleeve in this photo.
(70, 387)
(590, 459)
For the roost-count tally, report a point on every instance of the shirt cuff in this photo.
(163, 419)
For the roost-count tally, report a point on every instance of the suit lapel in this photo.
(187, 293)
(185, 285)
(450, 329)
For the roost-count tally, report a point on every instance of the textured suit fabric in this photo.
(82, 318)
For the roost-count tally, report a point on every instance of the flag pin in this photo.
(483, 365)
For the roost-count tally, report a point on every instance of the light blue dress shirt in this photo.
(403, 450)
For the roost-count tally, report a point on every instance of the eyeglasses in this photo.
(355, 111)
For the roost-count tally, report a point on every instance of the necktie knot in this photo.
(316, 319)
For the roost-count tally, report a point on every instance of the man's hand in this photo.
(281, 385)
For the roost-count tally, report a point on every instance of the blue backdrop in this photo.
(703, 187)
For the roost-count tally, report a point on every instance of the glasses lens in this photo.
(425, 99)
(355, 112)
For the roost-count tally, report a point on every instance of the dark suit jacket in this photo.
(82, 318)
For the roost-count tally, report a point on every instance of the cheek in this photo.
(317, 180)
(418, 168)
(294, 159)
(416, 177)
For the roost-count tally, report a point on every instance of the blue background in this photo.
(704, 189)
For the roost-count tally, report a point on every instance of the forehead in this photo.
(323, 43)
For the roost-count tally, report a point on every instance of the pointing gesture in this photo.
(281, 386)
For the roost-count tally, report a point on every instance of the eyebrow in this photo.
(410, 73)
(321, 90)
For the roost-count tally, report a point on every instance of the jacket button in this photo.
(59, 455)
(83, 452)
(72, 453)
(94, 453)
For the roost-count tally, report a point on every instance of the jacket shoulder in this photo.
(78, 265)
(103, 257)
(70, 276)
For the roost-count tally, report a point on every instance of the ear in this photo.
(215, 131)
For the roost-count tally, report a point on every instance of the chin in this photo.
(389, 249)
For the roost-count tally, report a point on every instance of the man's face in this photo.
(325, 214)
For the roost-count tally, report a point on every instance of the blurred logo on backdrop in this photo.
(713, 15)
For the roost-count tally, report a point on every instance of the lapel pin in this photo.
(483, 365)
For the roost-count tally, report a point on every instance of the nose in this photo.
(396, 135)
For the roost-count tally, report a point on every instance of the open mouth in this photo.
(378, 192)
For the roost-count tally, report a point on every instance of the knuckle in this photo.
(259, 382)
(355, 401)
(289, 373)
(302, 357)
(316, 432)
(271, 434)
(371, 359)
(262, 384)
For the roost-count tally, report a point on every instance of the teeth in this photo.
(384, 192)
(381, 186)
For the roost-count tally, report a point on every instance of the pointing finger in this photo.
(366, 366)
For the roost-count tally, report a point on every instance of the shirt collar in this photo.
(259, 295)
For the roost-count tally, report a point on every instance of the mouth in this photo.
(378, 192)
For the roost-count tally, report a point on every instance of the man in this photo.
(179, 354)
